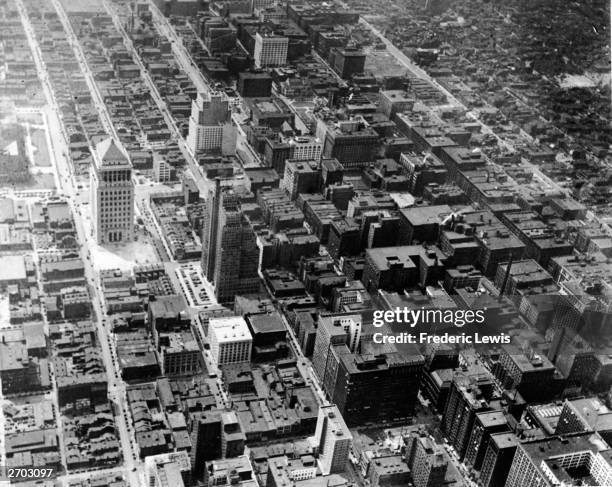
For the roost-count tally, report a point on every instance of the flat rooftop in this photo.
(229, 329)
(267, 323)
(12, 268)
(426, 215)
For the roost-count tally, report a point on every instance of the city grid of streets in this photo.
(345, 192)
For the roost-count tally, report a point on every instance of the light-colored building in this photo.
(234, 472)
(306, 148)
(13, 270)
(167, 469)
(333, 440)
(270, 50)
(230, 340)
(163, 171)
(210, 126)
(561, 460)
(395, 101)
(290, 471)
(112, 192)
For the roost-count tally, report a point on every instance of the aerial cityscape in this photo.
(305, 243)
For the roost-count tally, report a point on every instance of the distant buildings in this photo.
(351, 142)
(210, 127)
(347, 62)
(394, 101)
(254, 85)
(270, 50)
(112, 192)
(352, 198)
(217, 35)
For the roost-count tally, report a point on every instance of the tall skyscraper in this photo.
(210, 126)
(332, 330)
(485, 424)
(333, 439)
(230, 256)
(468, 395)
(205, 433)
(112, 192)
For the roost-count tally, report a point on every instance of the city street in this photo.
(116, 386)
(203, 184)
(202, 254)
(80, 55)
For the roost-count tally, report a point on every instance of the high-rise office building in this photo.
(376, 372)
(214, 433)
(270, 50)
(351, 142)
(333, 330)
(112, 192)
(485, 424)
(498, 459)
(531, 374)
(355, 372)
(230, 340)
(428, 463)
(230, 256)
(468, 395)
(205, 432)
(333, 440)
(210, 126)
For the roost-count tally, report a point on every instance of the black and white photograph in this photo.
(305, 243)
